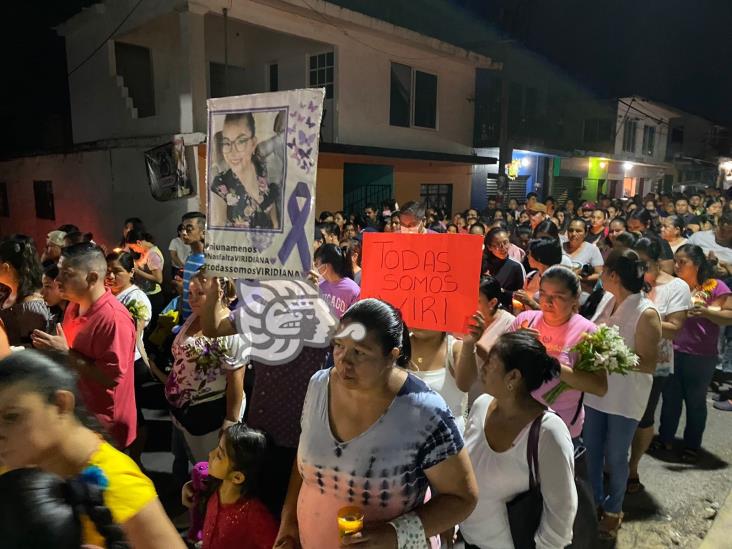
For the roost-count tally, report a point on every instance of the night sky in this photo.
(674, 51)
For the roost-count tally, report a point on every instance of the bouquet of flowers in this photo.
(603, 350)
(137, 310)
(700, 296)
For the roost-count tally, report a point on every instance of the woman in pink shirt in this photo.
(560, 328)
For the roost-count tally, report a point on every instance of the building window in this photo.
(413, 98)
(436, 196)
(401, 95)
(649, 139)
(43, 194)
(677, 135)
(273, 77)
(226, 80)
(4, 204)
(629, 131)
(321, 69)
(134, 65)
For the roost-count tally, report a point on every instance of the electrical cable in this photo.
(109, 37)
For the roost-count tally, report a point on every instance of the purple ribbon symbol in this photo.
(298, 217)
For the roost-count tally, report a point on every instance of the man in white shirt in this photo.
(717, 241)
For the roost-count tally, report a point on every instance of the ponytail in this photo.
(86, 494)
(39, 510)
(405, 354)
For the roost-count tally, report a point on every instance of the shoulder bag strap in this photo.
(532, 452)
(579, 409)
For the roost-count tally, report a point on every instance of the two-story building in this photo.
(398, 117)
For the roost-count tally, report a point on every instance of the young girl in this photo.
(235, 516)
(44, 425)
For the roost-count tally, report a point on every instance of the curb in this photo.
(720, 534)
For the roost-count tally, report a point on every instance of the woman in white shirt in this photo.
(672, 298)
(488, 324)
(496, 437)
(120, 272)
(586, 258)
(433, 359)
(611, 420)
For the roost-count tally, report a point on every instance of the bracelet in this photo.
(410, 531)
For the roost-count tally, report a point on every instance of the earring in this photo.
(510, 387)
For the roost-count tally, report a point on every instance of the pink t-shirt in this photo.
(558, 340)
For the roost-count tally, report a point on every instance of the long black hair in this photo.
(696, 254)
(40, 510)
(334, 256)
(45, 373)
(523, 352)
(386, 322)
(629, 268)
(20, 253)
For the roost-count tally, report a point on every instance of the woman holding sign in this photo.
(374, 438)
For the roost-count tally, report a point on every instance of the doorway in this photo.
(366, 184)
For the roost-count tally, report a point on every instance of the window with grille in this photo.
(649, 140)
(437, 196)
(321, 69)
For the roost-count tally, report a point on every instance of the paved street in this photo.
(681, 501)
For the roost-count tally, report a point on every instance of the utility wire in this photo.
(101, 45)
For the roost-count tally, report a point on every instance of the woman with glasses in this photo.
(251, 201)
(497, 263)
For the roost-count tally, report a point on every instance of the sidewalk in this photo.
(720, 534)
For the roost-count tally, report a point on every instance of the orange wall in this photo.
(408, 176)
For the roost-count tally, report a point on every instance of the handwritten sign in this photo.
(431, 278)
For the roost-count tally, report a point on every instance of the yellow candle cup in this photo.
(350, 521)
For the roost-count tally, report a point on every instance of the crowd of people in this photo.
(416, 437)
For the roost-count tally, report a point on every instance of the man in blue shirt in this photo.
(193, 234)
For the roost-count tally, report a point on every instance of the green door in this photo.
(366, 184)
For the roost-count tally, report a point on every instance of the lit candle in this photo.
(350, 521)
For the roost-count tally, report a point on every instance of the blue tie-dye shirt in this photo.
(382, 470)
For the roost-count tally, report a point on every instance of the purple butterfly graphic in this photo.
(304, 139)
(312, 107)
(310, 123)
(293, 114)
(300, 118)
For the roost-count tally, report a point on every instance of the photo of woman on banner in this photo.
(252, 199)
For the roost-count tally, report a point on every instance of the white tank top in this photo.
(626, 395)
(442, 382)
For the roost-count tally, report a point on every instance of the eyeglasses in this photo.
(239, 144)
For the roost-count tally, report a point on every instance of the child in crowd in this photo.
(235, 516)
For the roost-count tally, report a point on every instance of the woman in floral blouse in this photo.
(205, 388)
(251, 201)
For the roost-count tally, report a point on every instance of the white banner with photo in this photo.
(261, 167)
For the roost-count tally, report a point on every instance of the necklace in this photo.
(417, 364)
